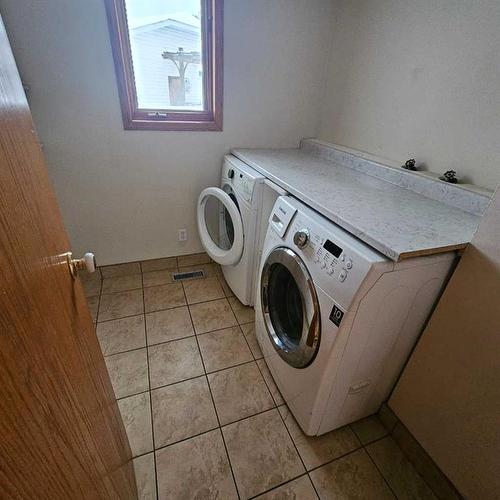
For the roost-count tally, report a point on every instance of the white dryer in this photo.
(230, 219)
(335, 319)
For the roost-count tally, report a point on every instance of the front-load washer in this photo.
(335, 319)
(230, 219)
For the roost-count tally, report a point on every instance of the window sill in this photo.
(181, 126)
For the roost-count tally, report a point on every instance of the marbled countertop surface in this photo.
(397, 222)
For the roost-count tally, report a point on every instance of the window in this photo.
(168, 60)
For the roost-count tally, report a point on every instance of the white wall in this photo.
(418, 79)
(124, 194)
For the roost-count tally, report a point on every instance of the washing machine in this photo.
(335, 319)
(231, 221)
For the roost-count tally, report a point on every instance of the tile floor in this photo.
(202, 413)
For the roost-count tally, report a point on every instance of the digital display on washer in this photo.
(331, 247)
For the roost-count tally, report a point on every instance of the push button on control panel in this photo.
(348, 264)
(342, 275)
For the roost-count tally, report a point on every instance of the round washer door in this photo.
(290, 307)
(220, 226)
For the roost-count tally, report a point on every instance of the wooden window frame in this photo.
(134, 118)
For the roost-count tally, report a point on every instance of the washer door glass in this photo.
(290, 307)
(226, 226)
(220, 225)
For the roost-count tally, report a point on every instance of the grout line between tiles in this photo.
(98, 304)
(380, 472)
(176, 339)
(125, 352)
(253, 355)
(312, 484)
(213, 401)
(280, 485)
(149, 385)
(121, 317)
(176, 257)
(187, 379)
(268, 385)
(405, 456)
(122, 291)
(175, 307)
(248, 416)
(293, 442)
(360, 447)
(234, 312)
(184, 439)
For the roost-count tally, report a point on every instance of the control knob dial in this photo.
(301, 238)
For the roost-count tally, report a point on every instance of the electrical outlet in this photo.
(183, 235)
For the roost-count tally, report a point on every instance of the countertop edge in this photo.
(381, 247)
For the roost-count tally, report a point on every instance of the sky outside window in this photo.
(165, 38)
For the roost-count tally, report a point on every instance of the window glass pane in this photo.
(165, 38)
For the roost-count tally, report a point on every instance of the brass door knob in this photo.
(86, 263)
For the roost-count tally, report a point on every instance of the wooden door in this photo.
(61, 434)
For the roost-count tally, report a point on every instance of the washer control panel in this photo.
(329, 256)
(301, 238)
(337, 261)
(240, 177)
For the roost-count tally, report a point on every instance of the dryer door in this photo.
(290, 307)
(220, 226)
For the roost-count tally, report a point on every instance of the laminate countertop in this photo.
(397, 222)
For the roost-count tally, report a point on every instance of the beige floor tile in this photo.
(170, 324)
(157, 278)
(159, 264)
(93, 304)
(122, 283)
(239, 392)
(244, 314)
(174, 361)
(213, 315)
(217, 268)
(203, 290)
(353, 476)
(182, 410)
(224, 348)
(193, 259)
(261, 452)
(164, 297)
(404, 480)
(197, 468)
(278, 398)
(144, 467)
(317, 450)
(249, 333)
(298, 489)
(120, 269)
(121, 335)
(227, 290)
(91, 283)
(136, 415)
(369, 429)
(120, 305)
(128, 372)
